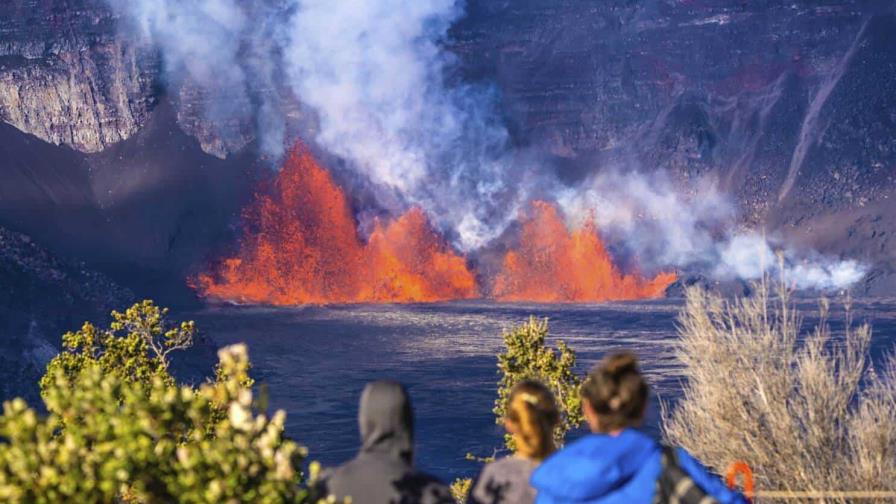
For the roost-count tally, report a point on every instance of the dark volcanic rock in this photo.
(71, 73)
(788, 106)
(41, 297)
(691, 87)
(146, 211)
(728, 288)
(168, 205)
(842, 199)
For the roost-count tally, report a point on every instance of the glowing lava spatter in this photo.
(302, 248)
(554, 264)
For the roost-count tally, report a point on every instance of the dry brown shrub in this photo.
(807, 414)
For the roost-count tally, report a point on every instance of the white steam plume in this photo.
(226, 49)
(374, 72)
(662, 228)
(750, 256)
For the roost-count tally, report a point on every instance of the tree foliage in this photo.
(460, 488)
(527, 356)
(121, 430)
(135, 347)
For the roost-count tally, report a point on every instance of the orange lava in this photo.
(554, 264)
(303, 248)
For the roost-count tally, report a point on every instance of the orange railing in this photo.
(741, 468)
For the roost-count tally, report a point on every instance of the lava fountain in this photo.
(553, 264)
(301, 247)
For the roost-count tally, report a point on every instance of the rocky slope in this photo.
(41, 297)
(740, 88)
(144, 211)
(72, 74)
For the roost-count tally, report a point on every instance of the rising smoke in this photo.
(372, 71)
(226, 51)
(374, 74)
(655, 223)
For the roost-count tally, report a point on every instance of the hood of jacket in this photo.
(386, 421)
(596, 466)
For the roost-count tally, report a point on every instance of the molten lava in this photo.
(302, 247)
(554, 264)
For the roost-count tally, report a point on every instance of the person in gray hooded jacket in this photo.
(383, 471)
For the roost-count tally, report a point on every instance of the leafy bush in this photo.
(460, 488)
(527, 356)
(135, 347)
(120, 430)
(806, 415)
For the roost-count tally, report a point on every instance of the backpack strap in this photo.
(675, 485)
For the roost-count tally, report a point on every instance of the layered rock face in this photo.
(71, 74)
(744, 90)
(67, 77)
(788, 107)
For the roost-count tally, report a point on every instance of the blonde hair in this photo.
(532, 410)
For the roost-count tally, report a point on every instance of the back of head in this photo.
(617, 392)
(386, 420)
(532, 410)
(383, 470)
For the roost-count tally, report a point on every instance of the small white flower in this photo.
(239, 416)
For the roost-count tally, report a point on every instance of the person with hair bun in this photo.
(617, 463)
(532, 415)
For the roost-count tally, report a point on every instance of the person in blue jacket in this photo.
(616, 463)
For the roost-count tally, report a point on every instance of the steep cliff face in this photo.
(67, 77)
(71, 74)
(218, 136)
(789, 107)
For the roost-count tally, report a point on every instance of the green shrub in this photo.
(527, 356)
(135, 347)
(121, 430)
(460, 488)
